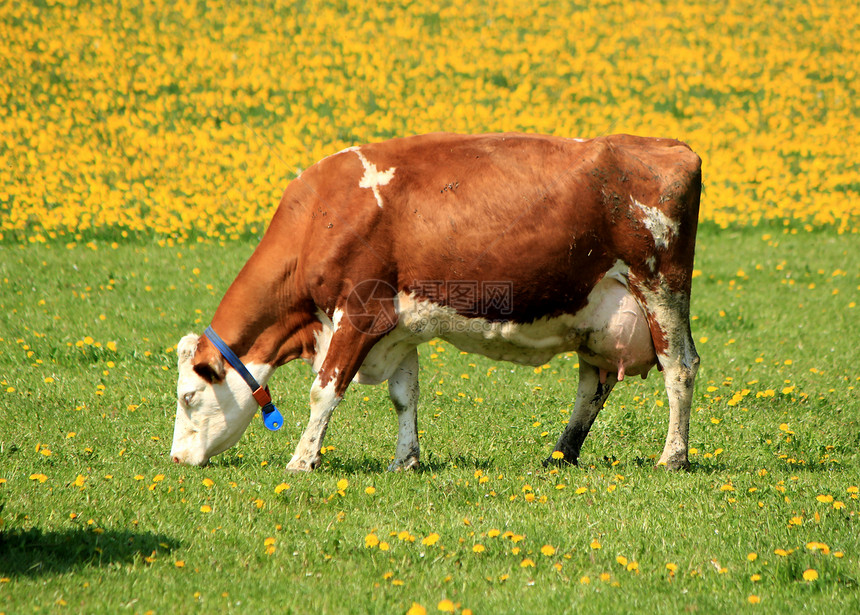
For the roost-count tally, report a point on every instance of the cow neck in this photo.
(250, 317)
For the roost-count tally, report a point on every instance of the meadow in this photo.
(144, 149)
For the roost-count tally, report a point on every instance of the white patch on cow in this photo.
(661, 226)
(652, 263)
(211, 418)
(373, 178)
(322, 338)
(611, 331)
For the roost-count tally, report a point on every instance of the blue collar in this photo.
(271, 415)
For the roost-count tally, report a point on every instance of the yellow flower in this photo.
(282, 487)
(548, 550)
(557, 455)
(752, 557)
(371, 540)
(206, 508)
(342, 484)
(208, 482)
(416, 609)
(753, 599)
(370, 490)
(430, 539)
(479, 549)
(810, 574)
(595, 544)
(446, 606)
(527, 563)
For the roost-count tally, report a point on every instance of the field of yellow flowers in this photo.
(188, 118)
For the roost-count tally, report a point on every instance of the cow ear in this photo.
(211, 368)
(186, 348)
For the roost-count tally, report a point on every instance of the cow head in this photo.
(214, 405)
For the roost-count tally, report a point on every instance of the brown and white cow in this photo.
(513, 246)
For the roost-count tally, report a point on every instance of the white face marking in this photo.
(661, 226)
(210, 418)
(373, 178)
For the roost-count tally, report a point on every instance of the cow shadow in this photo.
(33, 552)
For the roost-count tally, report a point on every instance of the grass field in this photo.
(96, 518)
(143, 148)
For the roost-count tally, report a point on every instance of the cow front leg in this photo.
(324, 399)
(591, 394)
(403, 391)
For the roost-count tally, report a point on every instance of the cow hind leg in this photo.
(591, 394)
(676, 352)
(403, 391)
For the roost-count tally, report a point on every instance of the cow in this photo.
(514, 246)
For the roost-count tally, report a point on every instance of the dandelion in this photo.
(445, 606)
(342, 484)
(206, 508)
(478, 548)
(547, 550)
(430, 539)
(557, 455)
(371, 541)
(527, 563)
(281, 488)
(753, 599)
(810, 574)
(595, 544)
(416, 609)
(584, 580)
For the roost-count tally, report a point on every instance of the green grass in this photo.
(779, 317)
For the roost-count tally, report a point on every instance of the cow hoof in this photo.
(410, 463)
(559, 461)
(675, 463)
(301, 465)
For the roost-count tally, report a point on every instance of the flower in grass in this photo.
(342, 484)
(39, 477)
(370, 490)
(416, 609)
(430, 539)
(371, 540)
(206, 508)
(753, 599)
(446, 606)
(548, 550)
(208, 482)
(479, 548)
(810, 574)
(557, 455)
(527, 563)
(282, 487)
(595, 544)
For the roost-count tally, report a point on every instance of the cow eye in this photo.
(188, 398)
